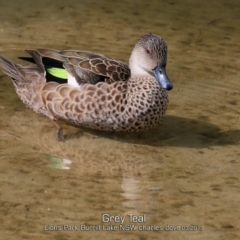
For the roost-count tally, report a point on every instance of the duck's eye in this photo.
(148, 51)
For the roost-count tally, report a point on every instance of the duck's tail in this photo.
(19, 73)
(10, 69)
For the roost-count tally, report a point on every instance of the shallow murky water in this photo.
(183, 173)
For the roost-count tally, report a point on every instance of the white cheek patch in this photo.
(72, 81)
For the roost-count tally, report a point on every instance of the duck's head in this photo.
(149, 56)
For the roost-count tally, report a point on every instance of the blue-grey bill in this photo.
(161, 76)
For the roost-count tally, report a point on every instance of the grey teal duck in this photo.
(95, 91)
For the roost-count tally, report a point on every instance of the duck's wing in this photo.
(83, 66)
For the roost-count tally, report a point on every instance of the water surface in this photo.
(185, 172)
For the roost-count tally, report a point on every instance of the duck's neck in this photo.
(140, 77)
(136, 69)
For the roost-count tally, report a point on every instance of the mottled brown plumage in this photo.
(86, 67)
(119, 101)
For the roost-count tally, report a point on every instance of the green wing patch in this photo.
(58, 72)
